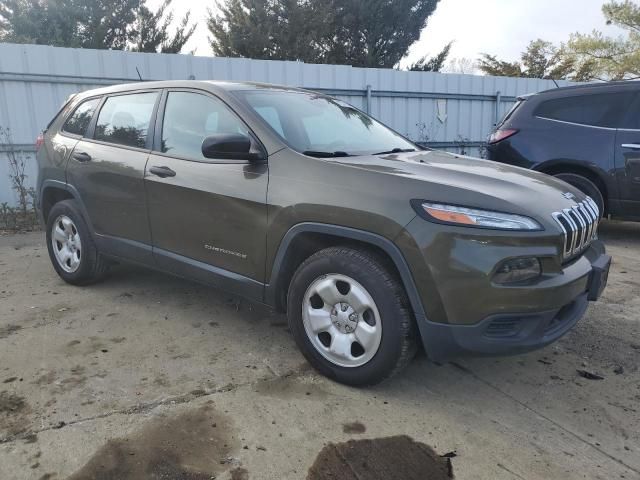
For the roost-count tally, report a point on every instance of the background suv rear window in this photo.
(78, 122)
(125, 119)
(599, 110)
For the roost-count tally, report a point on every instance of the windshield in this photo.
(322, 126)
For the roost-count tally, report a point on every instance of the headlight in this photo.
(464, 216)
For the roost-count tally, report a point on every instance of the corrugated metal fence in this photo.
(449, 111)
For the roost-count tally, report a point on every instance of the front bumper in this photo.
(513, 333)
(465, 313)
(502, 334)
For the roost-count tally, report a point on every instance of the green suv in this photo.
(371, 244)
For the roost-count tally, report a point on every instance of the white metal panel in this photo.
(35, 80)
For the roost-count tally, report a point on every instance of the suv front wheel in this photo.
(350, 316)
(72, 251)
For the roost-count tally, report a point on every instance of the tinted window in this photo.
(600, 110)
(79, 120)
(125, 119)
(189, 118)
(321, 125)
(510, 113)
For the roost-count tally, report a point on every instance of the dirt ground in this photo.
(148, 376)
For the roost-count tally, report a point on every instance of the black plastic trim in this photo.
(207, 274)
(271, 289)
(444, 342)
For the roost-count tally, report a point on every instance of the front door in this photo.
(107, 169)
(207, 216)
(628, 171)
(627, 160)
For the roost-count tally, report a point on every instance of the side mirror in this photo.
(229, 146)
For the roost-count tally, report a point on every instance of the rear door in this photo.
(62, 142)
(107, 168)
(628, 161)
(208, 216)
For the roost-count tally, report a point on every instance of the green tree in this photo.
(433, 64)
(541, 59)
(363, 33)
(150, 30)
(266, 29)
(597, 56)
(101, 24)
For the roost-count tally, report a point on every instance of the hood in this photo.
(474, 182)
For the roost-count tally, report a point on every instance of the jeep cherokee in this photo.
(371, 244)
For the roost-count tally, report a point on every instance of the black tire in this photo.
(398, 343)
(93, 266)
(586, 186)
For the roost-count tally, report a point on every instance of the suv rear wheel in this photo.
(350, 316)
(586, 186)
(71, 248)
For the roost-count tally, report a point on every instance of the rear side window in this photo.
(125, 119)
(598, 110)
(510, 113)
(79, 120)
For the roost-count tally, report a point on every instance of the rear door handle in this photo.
(633, 146)
(162, 172)
(81, 157)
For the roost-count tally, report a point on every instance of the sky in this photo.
(499, 27)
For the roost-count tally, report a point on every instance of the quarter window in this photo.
(191, 117)
(125, 119)
(599, 110)
(79, 120)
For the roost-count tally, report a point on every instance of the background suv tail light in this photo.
(501, 134)
(39, 141)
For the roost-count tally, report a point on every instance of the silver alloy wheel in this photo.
(66, 244)
(341, 320)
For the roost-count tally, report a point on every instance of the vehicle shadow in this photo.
(619, 233)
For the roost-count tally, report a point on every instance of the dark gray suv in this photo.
(586, 135)
(297, 200)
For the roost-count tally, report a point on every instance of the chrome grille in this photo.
(579, 225)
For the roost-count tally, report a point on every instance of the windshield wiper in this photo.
(396, 150)
(314, 153)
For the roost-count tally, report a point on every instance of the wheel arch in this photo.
(54, 191)
(304, 239)
(595, 175)
(51, 194)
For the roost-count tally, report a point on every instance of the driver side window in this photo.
(189, 118)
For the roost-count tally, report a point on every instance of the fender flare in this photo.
(60, 185)
(386, 245)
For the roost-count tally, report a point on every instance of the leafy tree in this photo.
(101, 24)
(433, 64)
(266, 29)
(36, 21)
(541, 59)
(467, 66)
(363, 33)
(597, 56)
(151, 30)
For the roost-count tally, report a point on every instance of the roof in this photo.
(617, 85)
(207, 84)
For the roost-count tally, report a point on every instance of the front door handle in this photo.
(632, 146)
(162, 172)
(81, 157)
